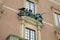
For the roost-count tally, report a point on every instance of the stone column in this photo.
(38, 33)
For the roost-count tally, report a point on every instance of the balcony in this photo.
(24, 12)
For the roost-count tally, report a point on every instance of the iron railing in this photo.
(25, 12)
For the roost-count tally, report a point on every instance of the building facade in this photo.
(29, 25)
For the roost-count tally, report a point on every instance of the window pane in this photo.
(29, 34)
(32, 7)
(27, 5)
(56, 18)
(32, 35)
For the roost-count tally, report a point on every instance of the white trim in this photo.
(10, 8)
(56, 11)
(48, 23)
(55, 2)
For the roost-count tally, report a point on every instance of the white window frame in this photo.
(57, 19)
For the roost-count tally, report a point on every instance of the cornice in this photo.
(54, 1)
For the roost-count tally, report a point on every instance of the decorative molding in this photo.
(48, 23)
(10, 8)
(55, 8)
(54, 2)
(31, 21)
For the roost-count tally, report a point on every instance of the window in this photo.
(13, 37)
(57, 19)
(29, 34)
(30, 6)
